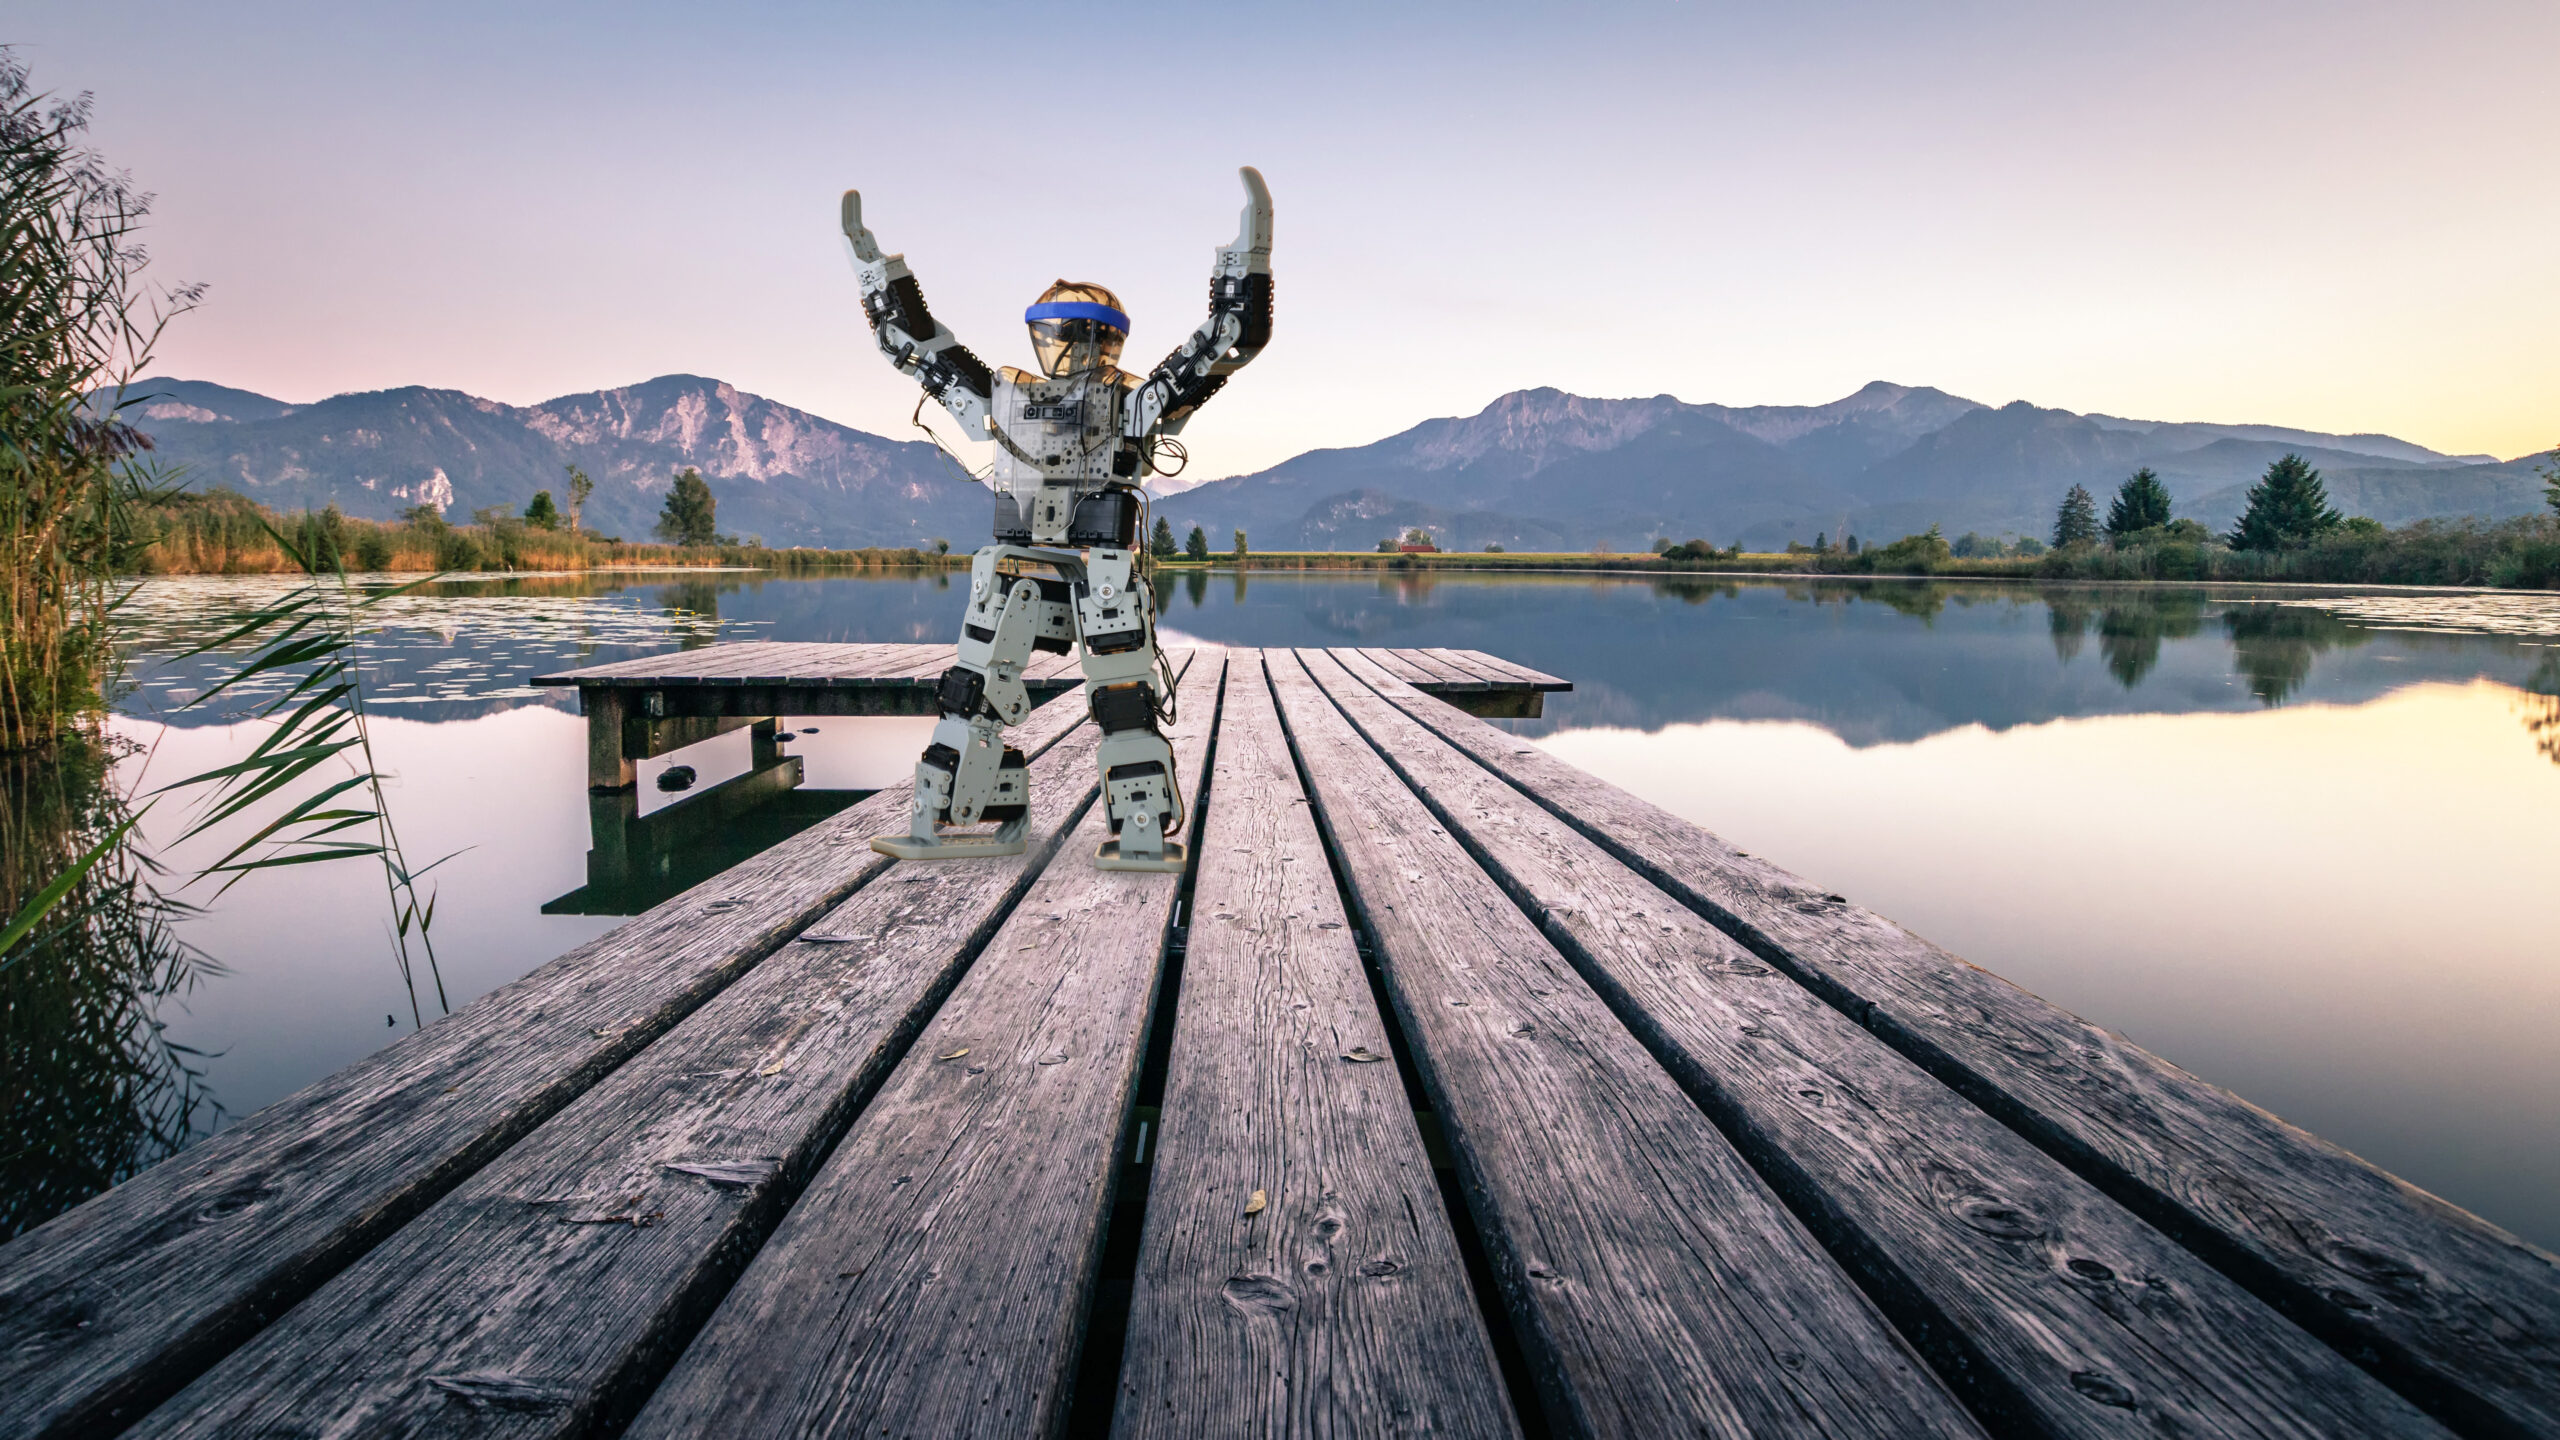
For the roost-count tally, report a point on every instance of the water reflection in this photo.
(2273, 645)
(636, 860)
(2542, 708)
(92, 1089)
(693, 610)
(2295, 782)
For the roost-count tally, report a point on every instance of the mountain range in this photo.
(782, 474)
(1536, 469)
(1545, 470)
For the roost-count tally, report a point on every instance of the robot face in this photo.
(1075, 328)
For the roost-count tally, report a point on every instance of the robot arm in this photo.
(1239, 325)
(913, 340)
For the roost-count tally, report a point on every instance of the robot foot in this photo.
(998, 822)
(1005, 839)
(1169, 862)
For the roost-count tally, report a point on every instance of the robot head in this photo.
(1076, 327)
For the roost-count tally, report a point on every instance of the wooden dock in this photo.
(640, 709)
(1452, 1092)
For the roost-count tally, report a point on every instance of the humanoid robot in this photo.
(1074, 443)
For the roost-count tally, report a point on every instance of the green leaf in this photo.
(44, 900)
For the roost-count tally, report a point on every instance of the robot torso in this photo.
(1057, 446)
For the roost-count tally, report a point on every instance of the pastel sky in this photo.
(2337, 216)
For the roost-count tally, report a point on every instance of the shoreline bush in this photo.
(218, 532)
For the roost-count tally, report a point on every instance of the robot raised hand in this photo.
(1074, 442)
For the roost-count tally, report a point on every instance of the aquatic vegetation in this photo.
(91, 1087)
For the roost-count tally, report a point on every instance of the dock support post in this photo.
(608, 766)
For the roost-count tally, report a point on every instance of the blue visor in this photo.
(1078, 310)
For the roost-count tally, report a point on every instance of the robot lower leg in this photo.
(1140, 794)
(968, 777)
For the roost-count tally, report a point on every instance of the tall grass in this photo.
(313, 780)
(75, 320)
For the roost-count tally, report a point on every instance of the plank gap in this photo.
(1106, 1321)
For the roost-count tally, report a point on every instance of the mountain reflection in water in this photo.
(2295, 840)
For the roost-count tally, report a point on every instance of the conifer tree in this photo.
(2076, 523)
(2288, 509)
(2551, 479)
(2142, 503)
(1240, 550)
(540, 513)
(1160, 544)
(689, 517)
(1195, 546)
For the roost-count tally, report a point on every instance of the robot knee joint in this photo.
(963, 692)
(1120, 708)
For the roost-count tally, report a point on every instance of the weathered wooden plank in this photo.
(682, 666)
(1399, 664)
(2047, 1306)
(801, 663)
(111, 1307)
(1048, 666)
(1658, 1285)
(933, 1278)
(1343, 1307)
(1511, 670)
(2450, 1310)
(1470, 664)
(1435, 673)
(565, 1274)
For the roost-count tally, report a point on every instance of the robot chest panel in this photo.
(1066, 427)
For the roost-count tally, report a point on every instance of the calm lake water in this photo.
(2300, 842)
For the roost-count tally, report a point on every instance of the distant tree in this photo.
(2076, 523)
(1195, 546)
(1240, 550)
(1916, 554)
(424, 515)
(2028, 545)
(580, 487)
(2287, 510)
(2550, 474)
(1821, 541)
(1387, 546)
(1972, 545)
(690, 516)
(1852, 546)
(1661, 543)
(1417, 536)
(941, 546)
(1161, 543)
(540, 513)
(2142, 503)
(1493, 547)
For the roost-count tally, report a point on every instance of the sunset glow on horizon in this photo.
(2336, 218)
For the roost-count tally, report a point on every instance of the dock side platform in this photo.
(640, 709)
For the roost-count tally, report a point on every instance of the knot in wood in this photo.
(1258, 1294)
(2104, 1389)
